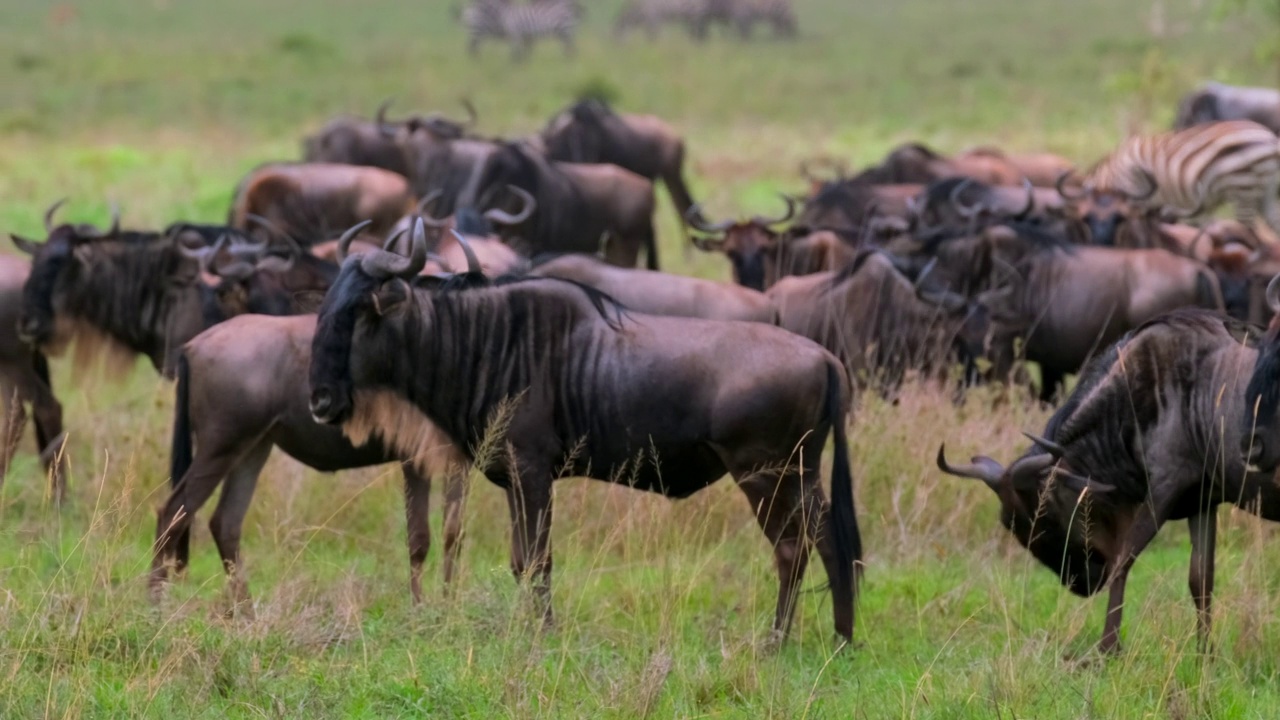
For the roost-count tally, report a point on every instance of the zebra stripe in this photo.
(1198, 170)
(521, 24)
(651, 14)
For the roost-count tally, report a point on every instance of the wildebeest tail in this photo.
(844, 518)
(651, 249)
(180, 450)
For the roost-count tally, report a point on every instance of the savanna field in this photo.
(663, 608)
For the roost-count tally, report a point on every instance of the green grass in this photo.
(663, 607)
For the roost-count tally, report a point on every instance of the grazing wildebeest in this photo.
(313, 202)
(351, 140)
(261, 362)
(591, 132)
(585, 389)
(881, 323)
(1151, 433)
(24, 380)
(1215, 102)
(658, 293)
(580, 206)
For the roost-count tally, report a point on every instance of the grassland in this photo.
(663, 607)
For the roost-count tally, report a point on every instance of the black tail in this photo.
(844, 518)
(651, 249)
(180, 455)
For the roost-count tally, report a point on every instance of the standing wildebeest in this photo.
(580, 207)
(261, 362)
(657, 293)
(881, 323)
(24, 379)
(586, 390)
(1151, 433)
(313, 202)
(591, 132)
(917, 163)
(1215, 102)
(356, 141)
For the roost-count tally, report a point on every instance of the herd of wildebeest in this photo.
(413, 292)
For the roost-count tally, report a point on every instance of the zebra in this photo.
(652, 14)
(521, 24)
(1192, 172)
(778, 14)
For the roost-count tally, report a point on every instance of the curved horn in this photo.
(1273, 294)
(1031, 200)
(48, 214)
(1152, 187)
(505, 218)
(92, 233)
(693, 217)
(790, 213)
(295, 247)
(968, 212)
(473, 262)
(382, 264)
(980, 468)
(427, 217)
(1054, 448)
(1060, 184)
(1029, 467)
(344, 242)
(206, 255)
(237, 271)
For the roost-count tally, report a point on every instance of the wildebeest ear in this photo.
(30, 247)
(391, 296)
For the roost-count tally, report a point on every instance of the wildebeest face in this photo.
(1260, 442)
(751, 245)
(1104, 213)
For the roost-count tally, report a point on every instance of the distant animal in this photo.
(314, 202)
(1193, 172)
(521, 24)
(657, 293)
(915, 163)
(590, 131)
(652, 15)
(1214, 102)
(1152, 432)
(778, 15)
(351, 140)
(761, 253)
(579, 387)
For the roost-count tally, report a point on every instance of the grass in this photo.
(663, 607)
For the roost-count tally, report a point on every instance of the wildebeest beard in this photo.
(1262, 394)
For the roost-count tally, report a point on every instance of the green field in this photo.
(663, 607)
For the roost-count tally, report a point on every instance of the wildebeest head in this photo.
(1105, 209)
(1260, 441)
(750, 245)
(371, 296)
(434, 125)
(962, 202)
(49, 263)
(1026, 490)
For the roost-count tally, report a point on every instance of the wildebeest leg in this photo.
(174, 520)
(787, 514)
(228, 520)
(417, 500)
(529, 499)
(455, 496)
(1204, 533)
(1142, 529)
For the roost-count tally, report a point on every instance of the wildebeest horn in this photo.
(980, 468)
(295, 247)
(1060, 184)
(1031, 200)
(344, 242)
(473, 262)
(380, 118)
(205, 255)
(427, 217)
(382, 264)
(237, 270)
(504, 218)
(693, 216)
(48, 214)
(966, 211)
(1273, 294)
(790, 213)
(1054, 448)
(924, 272)
(1030, 467)
(1152, 186)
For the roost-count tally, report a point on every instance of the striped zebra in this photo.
(777, 14)
(653, 14)
(521, 24)
(1195, 171)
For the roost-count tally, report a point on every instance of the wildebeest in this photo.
(658, 293)
(914, 163)
(757, 250)
(590, 131)
(881, 323)
(1214, 102)
(24, 380)
(1151, 433)
(1041, 169)
(853, 208)
(580, 206)
(313, 202)
(580, 387)
(493, 256)
(261, 362)
(352, 140)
